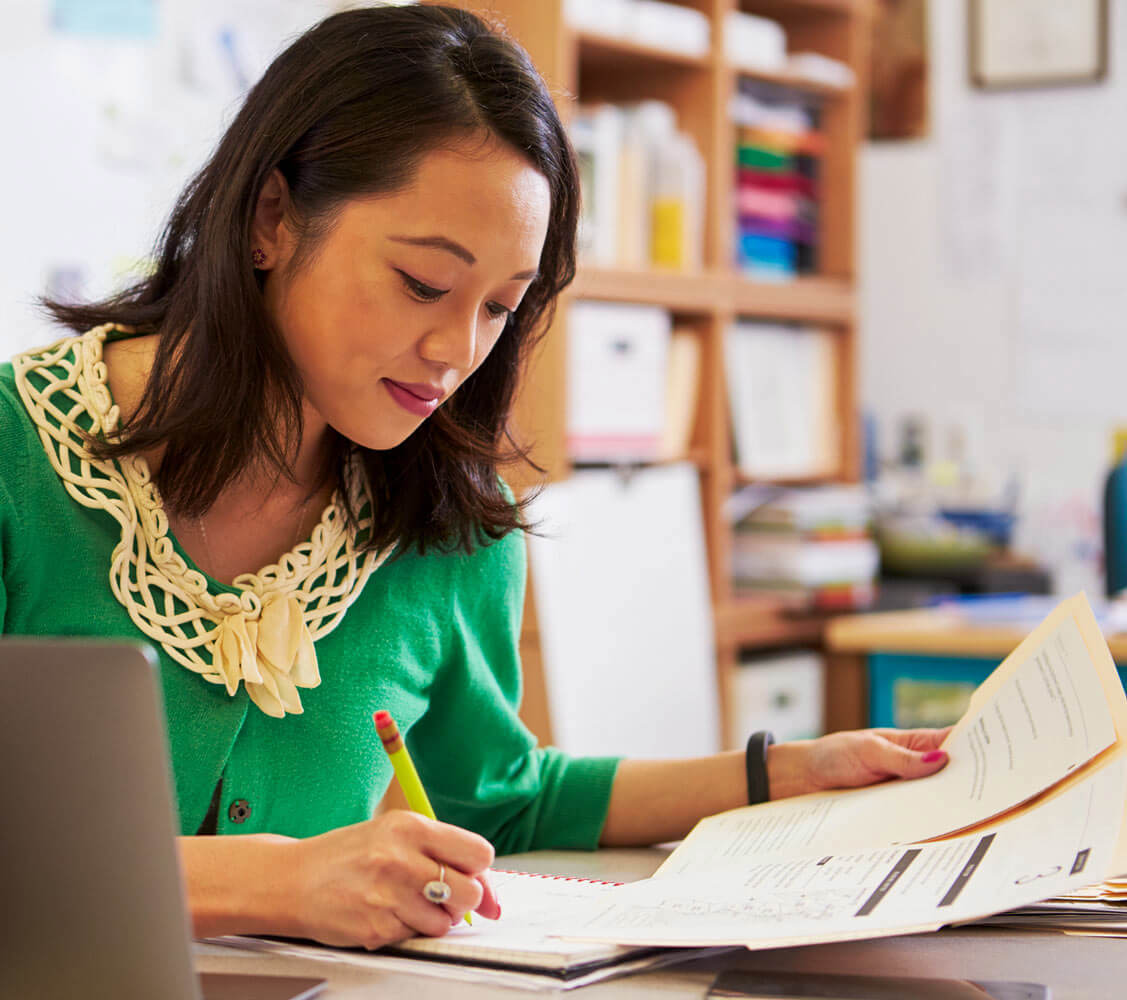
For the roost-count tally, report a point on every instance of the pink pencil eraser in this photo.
(383, 718)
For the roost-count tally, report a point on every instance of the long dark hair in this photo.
(347, 110)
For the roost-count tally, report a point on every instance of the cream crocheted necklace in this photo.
(263, 634)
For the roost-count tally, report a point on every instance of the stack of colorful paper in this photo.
(778, 152)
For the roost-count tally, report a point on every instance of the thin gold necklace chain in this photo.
(211, 567)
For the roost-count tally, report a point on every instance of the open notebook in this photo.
(517, 948)
(532, 908)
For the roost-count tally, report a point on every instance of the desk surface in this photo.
(937, 632)
(1075, 968)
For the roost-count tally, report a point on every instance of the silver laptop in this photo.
(90, 895)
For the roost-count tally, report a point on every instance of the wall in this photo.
(110, 107)
(993, 262)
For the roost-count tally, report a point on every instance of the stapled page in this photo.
(1051, 707)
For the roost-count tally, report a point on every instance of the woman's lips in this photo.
(420, 400)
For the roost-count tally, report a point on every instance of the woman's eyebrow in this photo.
(459, 251)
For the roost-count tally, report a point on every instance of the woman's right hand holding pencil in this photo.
(363, 884)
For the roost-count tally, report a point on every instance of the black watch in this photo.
(756, 763)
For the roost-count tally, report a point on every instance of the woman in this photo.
(322, 365)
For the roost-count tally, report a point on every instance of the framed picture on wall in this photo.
(1037, 43)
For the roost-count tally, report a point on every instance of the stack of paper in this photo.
(778, 155)
(781, 387)
(1030, 806)
(1098, 910)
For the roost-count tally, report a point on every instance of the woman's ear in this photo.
(271, 238)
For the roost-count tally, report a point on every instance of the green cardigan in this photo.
(432, 638)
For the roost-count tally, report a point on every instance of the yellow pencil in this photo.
(404, 768)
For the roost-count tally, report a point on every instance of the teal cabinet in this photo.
(908, 690)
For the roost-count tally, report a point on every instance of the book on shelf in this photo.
(810, 548)
(830, 511)
(616, 381)
(782, 393)
(821, 573)
(778, 151)
(643, 184)
(682, 393)
(596, 136)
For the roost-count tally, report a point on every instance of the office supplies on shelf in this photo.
(1031, 804)
(616, 386)
(93, 904)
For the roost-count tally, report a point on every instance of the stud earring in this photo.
(258, 257)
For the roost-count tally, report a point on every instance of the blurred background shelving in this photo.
(588, 68)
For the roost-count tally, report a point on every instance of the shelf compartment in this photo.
(762, 622)
(788, 9)
(681, 291)
(598, 51)
(792, 81)
(815, 300)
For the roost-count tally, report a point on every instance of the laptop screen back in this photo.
(91, 897)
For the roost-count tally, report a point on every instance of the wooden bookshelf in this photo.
(624, 56)
(588, 67)
(705, 293)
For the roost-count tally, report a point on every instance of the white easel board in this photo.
(620, 580)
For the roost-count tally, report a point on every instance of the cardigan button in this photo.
(238, 811)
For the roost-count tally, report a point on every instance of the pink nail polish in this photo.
(933, 755)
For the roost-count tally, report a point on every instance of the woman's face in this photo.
(408, 293)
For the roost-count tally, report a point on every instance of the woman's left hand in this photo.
(851, 759)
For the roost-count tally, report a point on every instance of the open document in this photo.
(519, 949)
(1031, 805)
